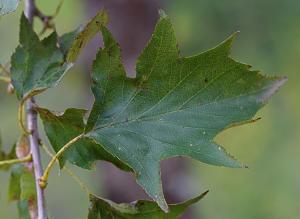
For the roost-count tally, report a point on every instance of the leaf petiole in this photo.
(43, 180)
(70, 172)
(20, 117)
(28, 158)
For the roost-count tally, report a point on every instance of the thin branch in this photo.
(29, 10)
(26, 159)
(47, 19)
(32, 125)
(43, 180)
(36, 157)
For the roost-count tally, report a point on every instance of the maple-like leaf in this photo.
(36, 65)
(102, 208)
(174, 107)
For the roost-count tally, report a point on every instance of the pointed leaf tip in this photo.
(92, 27)
(162, 13)
(226, 45)
(272, 89)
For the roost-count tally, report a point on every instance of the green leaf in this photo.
(8, 6)
(84, 36)
(105, 209)
(22, 189)
(36, 65)
(14, 189)
(23, 209)
(21, 185)
(66, 41)
(7, 156)
(62, 128)
(174, 107)
(27, 184)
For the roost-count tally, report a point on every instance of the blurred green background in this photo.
(269, 41)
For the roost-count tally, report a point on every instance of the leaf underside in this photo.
(8, 6)
(101, 208)
(174, 107)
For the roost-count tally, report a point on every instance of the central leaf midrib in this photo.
(111, 125)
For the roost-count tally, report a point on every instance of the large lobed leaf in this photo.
(174, 107)
(102, 208)
(36, 65)
(8, 6)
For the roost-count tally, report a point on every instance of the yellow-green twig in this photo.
(4, 70)
(5, 79)
(73, 175)
(28, 158)
(44, 178)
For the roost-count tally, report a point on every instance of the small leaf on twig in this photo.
(102, 208)
(36, 65)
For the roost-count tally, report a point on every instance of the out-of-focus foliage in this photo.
(6, 156)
